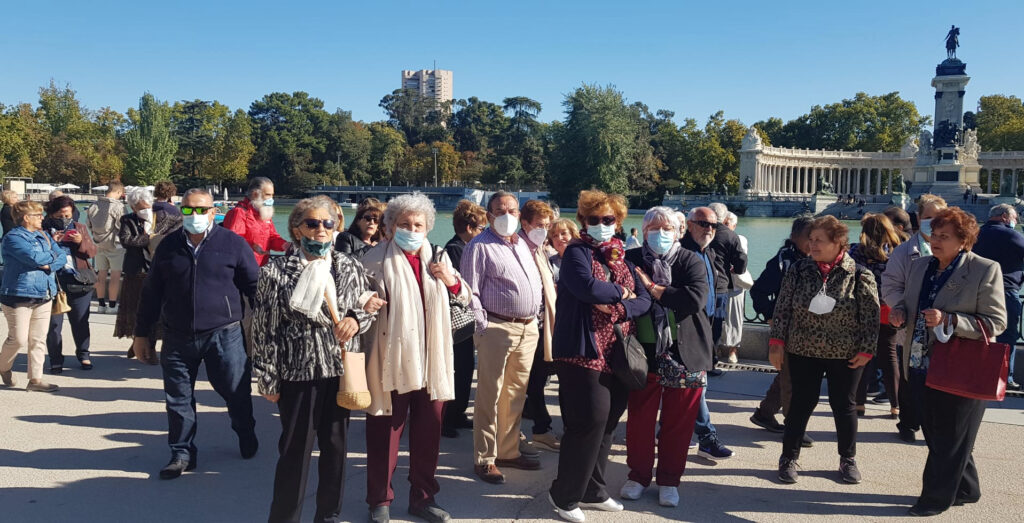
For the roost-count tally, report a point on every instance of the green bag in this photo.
(645, 327)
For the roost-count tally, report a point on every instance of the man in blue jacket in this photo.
(1001, 243)
(195, 288)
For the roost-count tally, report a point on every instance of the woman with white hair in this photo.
(732, 327)
(409, 366)
(676, 336)
(139, 233)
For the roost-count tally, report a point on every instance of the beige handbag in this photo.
(353, 392)
(60, 303)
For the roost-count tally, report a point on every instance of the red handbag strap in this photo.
(984, 332)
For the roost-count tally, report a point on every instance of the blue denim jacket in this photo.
(24, 252)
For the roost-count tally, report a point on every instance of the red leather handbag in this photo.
(974, 369)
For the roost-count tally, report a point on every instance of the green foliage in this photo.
(1000, 121)
(420, 119)
(149, 145)
(387, 149)
(289, 135)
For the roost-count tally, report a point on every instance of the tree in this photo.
(289, 135)
(232, 149)
(148, 143)
(387, 150)
(477, 125)
(866, 123)
(521, 157)
(349, 146)
(1000, 121)
(21, 141)
(418, 164)
(421, 119)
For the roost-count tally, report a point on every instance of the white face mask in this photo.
(601, 233)
(926, 227)
(196, 223)
(506, 225)
(145, 214)
(537, 236)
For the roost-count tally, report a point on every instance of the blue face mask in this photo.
(196, 223)
(601, 233)
(407, 240)
(926, 227)
(660, 241)
(269, 202)
(315, 248)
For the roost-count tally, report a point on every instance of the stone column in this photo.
(878, 183)
(789, 180)
(1014, 177)
(814, 179)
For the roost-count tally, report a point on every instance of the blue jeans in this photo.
(228, 370)
(704, 430)
(78, 317)
(1013, 310)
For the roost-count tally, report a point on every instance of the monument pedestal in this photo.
(820, 201)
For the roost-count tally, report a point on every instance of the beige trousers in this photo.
(504, 357)
(26, 330)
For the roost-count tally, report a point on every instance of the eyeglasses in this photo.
(371, 219)
(188, 211)
(603, 220)
(35, 215)
(702, 223)
(315, 224)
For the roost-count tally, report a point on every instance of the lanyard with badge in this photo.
(822, 303)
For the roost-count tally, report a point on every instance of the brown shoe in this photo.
(522, 463)
(490, 474)
(8, 378)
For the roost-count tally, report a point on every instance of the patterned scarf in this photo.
(612, 250)
(826, 268)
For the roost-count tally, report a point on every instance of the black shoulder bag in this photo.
(628, 360)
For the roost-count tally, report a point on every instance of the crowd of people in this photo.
(374, 317)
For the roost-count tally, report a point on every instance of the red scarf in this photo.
(826, 268)
(612, 250)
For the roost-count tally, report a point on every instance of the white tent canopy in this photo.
(68, 186)
(39, 187)
(99, 188)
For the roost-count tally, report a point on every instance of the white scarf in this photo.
(314, 282)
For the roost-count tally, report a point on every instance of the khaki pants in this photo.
(504, 357)
(26, 330)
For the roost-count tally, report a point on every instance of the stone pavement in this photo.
(91, 453)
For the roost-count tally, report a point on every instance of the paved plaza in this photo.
(91, 452)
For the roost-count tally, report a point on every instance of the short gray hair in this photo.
(720, 210)
(416, 202)
(695, 210)
(196, 190)
(660, 213)
(138, 195)
(730, 219)
(308, 204)
(1001, 209)
(257, 184)
(499, 195)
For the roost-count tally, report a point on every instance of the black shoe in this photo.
(464, 423)
(430, 512)
(768, 423)
(920, 511)
(787, 470)
(881, 398)
(907, 435)
(959, 501)
(56, 370)
(714, 373)
(449, 431)
(176, 466)
(848, 470)
(381, 514)
(1013, 385)
(248, 446)
(806, 442)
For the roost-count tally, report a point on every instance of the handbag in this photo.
(975, 369)
(60, 302)
(353, 392)
(628, 360)
(463, 320)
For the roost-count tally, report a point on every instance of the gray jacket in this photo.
(894, 279)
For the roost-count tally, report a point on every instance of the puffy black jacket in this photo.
(766, 289)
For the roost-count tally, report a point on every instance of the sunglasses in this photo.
(603, 220)
(315, 224)
(702, 223)
(372, 219)
(188, 211)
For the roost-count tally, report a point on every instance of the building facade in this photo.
(429, 83)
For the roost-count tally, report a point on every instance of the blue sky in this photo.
(751, 59)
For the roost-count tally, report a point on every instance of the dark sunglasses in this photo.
(188, 211)
(372, 219)
(702, 223)
(603, 220)
(315, 224)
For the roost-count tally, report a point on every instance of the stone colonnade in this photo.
(788, 178)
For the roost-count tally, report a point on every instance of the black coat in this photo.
(766, 289)
(729, 257)
(454, 248)
(6, 218)
(135, 239)
(349, 243)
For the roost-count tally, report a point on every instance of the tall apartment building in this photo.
(436, 83)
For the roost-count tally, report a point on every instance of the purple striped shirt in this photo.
(502, 275)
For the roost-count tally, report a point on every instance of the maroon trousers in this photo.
(678, 414)
(382, 437)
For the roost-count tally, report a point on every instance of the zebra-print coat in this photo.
(287, 344)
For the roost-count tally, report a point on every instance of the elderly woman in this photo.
(825, 323)
(562, 232)
(948, 293)
(676, 335)
(6, 217)
(140, 232)
(31, 258)
(597, 289)
(308, 308)
(365, 231)
(894, 282)
(76, 278)
(409, 364)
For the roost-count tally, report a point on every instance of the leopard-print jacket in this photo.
(851, 327)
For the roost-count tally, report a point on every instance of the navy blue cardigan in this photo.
(578, 292)
(197, 294)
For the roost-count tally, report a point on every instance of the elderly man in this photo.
(730, 258)
(1000, 242)
(701, 229)
(252, 220)
(104, 221)
(499, 266)
(195, 288)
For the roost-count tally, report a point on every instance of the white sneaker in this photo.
(668, 496)
(631, 490)
(575, 515)
(112, 310)
(608, 505)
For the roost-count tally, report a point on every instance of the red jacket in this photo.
(244, 220)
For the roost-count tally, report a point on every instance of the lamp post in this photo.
(434, 150)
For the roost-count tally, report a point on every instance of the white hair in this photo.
(693, 212)
(658, 214)
(138, 195)
(416, 202)
(730, 219)
(720, 210)
(1001, 209)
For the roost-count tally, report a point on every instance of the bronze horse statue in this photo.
(952, 41)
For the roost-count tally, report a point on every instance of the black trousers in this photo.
(912, 392)
(950, 426)
(888, 362)
(78, 317)
(535, 407)
(778, 395)
(308, 410)
(464, 361)
(805, 376)
(592, 403)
